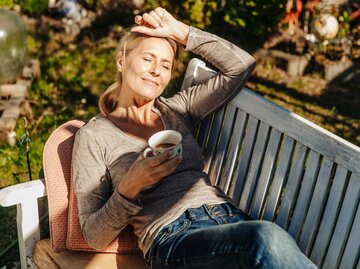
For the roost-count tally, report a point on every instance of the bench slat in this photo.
(311, 135)
(307, 188)
(265, 174)
(212, 141)
(345, 220)
(254, 168)
(235, 144)
(292, 186)
(330, 215)
(244, 161)
(317, 203)
(349, 257)
(279, 178)
(221, 148)
(203, 132)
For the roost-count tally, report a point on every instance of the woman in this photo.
(179, 218)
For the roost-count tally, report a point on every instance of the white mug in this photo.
(163, 141)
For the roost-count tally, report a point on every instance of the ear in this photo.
(119, 62)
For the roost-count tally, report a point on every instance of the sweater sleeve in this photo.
(103, 213)
(235, 66)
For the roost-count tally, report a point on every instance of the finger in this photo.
(168, 164)
(160, 11)
(156, 17)
(159, 172)
(143, 30)
(159, 159)
(150, 20)
(138, 19)
(163, 14)
(141, 22)
(166, 168)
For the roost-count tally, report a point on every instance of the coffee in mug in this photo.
(165, 145)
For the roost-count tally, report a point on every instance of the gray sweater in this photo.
(102, 154)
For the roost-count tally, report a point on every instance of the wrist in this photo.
(182, 33)
(127, 190)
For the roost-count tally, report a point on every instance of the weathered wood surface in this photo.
(45, 257)
(281, 167)
(14, 101)
(311, 135)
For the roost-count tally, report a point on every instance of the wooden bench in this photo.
(275, 164)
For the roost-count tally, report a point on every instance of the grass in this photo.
(7, 236)
(331, 106)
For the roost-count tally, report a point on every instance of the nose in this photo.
(155, 69)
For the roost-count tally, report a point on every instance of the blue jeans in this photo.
(222, 236)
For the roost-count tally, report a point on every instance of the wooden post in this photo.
(29, 232)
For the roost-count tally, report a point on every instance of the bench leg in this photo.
(28, 229)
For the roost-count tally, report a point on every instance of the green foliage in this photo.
(344, 20)
(6, 3)
(34, 6)
(255, 19)
(31, 6)
(72, 78)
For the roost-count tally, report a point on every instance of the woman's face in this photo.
(147, 69)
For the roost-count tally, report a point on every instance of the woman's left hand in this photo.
(160, 23)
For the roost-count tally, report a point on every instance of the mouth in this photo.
(151, 82)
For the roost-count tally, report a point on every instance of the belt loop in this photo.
(190, 214)
(228, 208)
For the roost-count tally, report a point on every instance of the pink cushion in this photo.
(65, 232)
(126, 242)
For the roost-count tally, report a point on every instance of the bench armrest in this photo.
(25, 197)
(21, 193)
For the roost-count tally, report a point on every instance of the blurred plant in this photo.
(34, 6)
(31, 6)
(25, 140)
(255, 19)
(6, 3)
(344, 20)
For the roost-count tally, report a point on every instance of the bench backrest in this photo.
(281, 167)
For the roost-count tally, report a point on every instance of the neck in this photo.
(134, 114)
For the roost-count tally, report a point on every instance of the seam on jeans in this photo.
(183, 227)
(224, 220)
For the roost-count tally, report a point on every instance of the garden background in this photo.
(77, 65)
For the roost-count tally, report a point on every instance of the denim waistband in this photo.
(203, 212)
(207, 211)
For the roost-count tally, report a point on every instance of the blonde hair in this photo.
(110, 98)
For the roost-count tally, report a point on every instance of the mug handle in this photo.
(147, 151)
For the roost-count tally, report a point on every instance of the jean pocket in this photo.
(177, 228)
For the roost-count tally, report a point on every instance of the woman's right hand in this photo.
(160, 23)
(145, 172)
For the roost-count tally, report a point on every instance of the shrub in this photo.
(255, 19)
